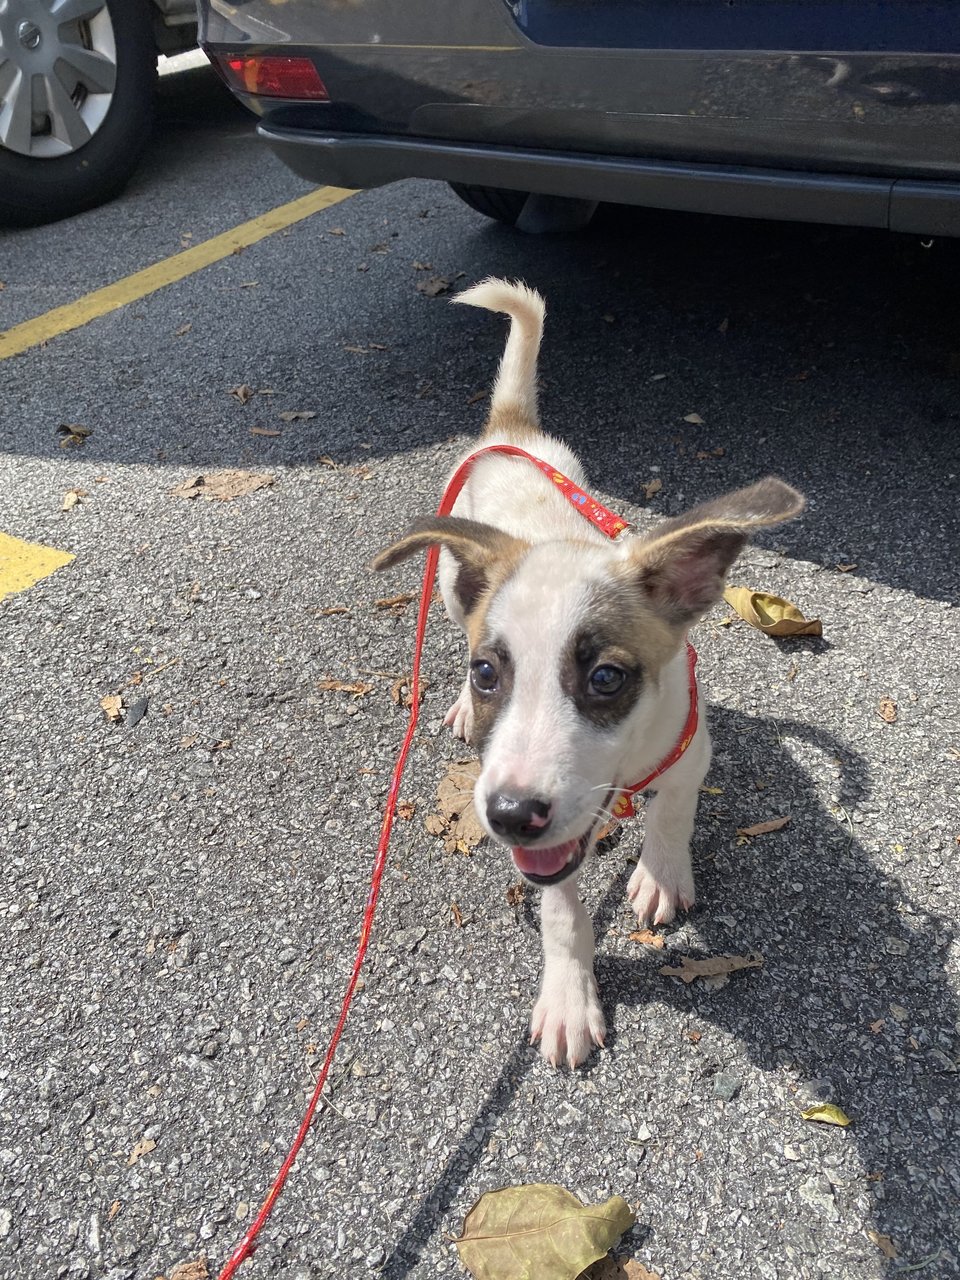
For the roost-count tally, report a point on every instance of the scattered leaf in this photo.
(694, 1036)
(112, 706)
(694, 419)
(72, 497)
(73, 434)
(477, 397)
(142, 1148)
(184, 328)
(356, 687)
(712, 791)
(190, 1270)
(652, 487)
(457, 915)
(456, 818)
(647, 938)
(406, 809)
(877, 1026)
(297, 415)
(396, 603)
(401, 691)
(710, 967)
(265, 431)
(884, 1244)
(539, 1230)
(222, 486)
(703, 454)
(434, 286)
(770, 614)
(516, 893)
(337, 231)
(762, 828)
(846, 568)
(114, 1209)
(826, 1113)
(887, 710)
(334, 608)
(242, 392)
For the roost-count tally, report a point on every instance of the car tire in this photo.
(493, 202)
(62, 161)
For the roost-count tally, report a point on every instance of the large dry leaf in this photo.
(763, 828)
(222, 485)
(711, 967)
(112, 706)
(771, 614)
(196, 1270)
(826, 1113)
(538, 1230)
(456, 819)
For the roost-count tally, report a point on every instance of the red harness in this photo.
(610, 524)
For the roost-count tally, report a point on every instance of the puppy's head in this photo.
(568, 644)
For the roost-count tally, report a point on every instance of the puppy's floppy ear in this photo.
(682, 565)
(482, 551)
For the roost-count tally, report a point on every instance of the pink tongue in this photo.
(543, 862)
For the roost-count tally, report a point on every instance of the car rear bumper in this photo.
(364, 160)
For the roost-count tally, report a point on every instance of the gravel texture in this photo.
(182, 895)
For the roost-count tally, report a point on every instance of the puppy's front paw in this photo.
(460, 716)
(567, 1018)
(660, 888)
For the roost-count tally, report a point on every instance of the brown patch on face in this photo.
(620, 633)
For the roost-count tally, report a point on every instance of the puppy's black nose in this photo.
(518, 817)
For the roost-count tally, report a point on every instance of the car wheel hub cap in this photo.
(58, 74)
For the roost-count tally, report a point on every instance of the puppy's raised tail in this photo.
(515, 389)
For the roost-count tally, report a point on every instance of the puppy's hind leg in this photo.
(567, 1018)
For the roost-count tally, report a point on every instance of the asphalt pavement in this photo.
(182, 887)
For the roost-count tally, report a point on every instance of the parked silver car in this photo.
(77, 81)
(844, 111)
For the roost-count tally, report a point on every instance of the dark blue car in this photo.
(843, 111)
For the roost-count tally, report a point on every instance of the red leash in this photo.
(611, 525)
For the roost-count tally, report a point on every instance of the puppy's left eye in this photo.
(606, 681)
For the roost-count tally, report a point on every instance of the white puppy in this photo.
(578, 682)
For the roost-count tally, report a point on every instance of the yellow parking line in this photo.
(62, 319)
(24, 563)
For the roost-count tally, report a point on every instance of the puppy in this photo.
(578, 683)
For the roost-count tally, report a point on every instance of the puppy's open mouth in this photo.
(550, 866)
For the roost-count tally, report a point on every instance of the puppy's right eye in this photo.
(484, 676)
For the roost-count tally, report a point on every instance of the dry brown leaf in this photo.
(112, 706)
(516, 893)
(72, 497)
(243, 392)
(762, 828)
(337, 231)
(457, 915)
(477, 397)
(142, 1148)
(184, 328)
(434, 286)
(456, 819)
(647, 938)
(884, 1244)
(771, 614)
(703, 454)
(877, 1026)
(887, 710)
(73, 434)
(396, 603)
(406, 809)
(846, 568)
(114, 1209)
(297, 415)
(190, 1270)
(538, 1230)
(710, 967)
(694, 1036)
(222, 486)
(334, 608)
(401, 691)
(265, 431)
(356, 687)
(652, 487)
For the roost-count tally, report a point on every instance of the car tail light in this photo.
(272, 77)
